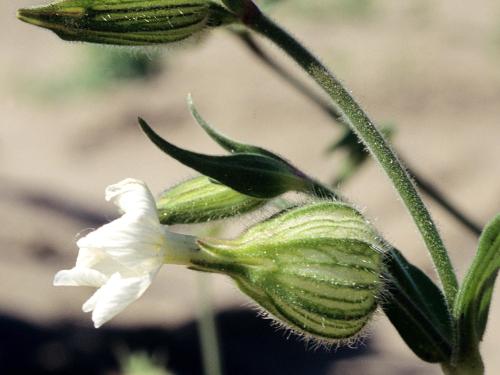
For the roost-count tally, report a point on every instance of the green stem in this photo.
(470, 364)
(371, 137)
(426, 186)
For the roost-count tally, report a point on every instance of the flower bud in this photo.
(127, 22)
(315, 268)
(200, 199)
(257, 174)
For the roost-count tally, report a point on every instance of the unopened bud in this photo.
(127, 22)
(315, 268)
(200, 200)
(257, 173)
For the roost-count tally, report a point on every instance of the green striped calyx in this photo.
(200, 200)
(315, 268)
(127, 22)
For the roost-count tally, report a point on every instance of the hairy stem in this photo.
(371, 137)
(471, 364)
(425, 185)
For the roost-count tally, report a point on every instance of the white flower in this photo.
(120, 258)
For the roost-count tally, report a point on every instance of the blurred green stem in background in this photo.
(141, 363)
(425, 185)
(207, 327)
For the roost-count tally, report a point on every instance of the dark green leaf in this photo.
(417, 309)
(252, 174)
(474, 298)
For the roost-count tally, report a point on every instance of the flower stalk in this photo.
(360, 123)
(325, 106)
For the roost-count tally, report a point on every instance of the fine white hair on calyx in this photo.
(311, 342)
(153, 50)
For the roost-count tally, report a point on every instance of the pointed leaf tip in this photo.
(223, 141)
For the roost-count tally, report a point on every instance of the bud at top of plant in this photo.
(200, 199)
(127, 22)
(315, 268)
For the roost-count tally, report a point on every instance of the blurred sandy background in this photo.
(430, 67)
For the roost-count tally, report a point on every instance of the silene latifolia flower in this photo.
(316, 268)
(122, 257)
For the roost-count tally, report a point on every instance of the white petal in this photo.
(116, 295)
(130, 242)
(90, 304)
(123, 232)
(121, 257)
(87, 257)
(79, 276)
(132, 195)
(98, 260)
(108, 266)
